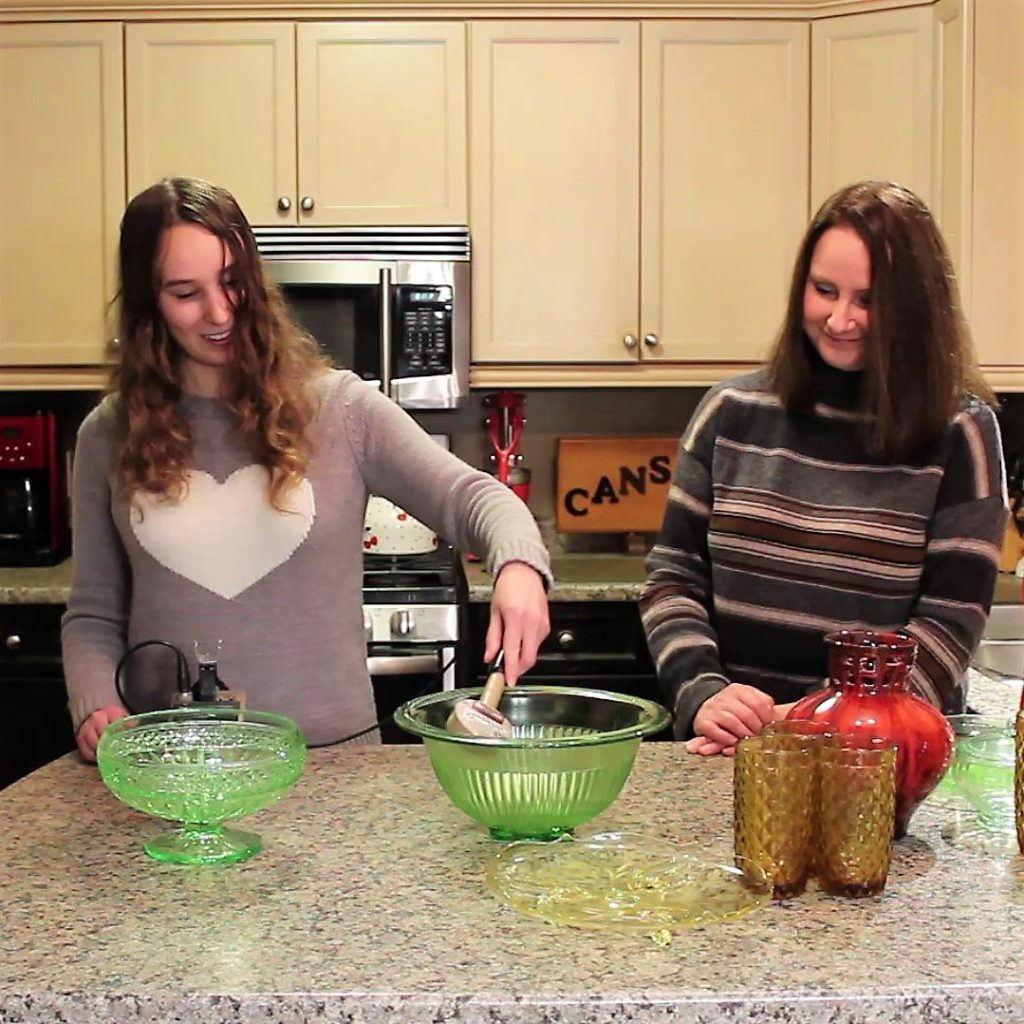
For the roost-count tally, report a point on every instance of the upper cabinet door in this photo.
(871, 100)
(215, 101)
(61, 190)
(996, 296)
(554, 203)
(951, 156)
(382, 123)
(725, 185)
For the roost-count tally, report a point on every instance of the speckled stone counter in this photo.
(367, 906)
(45, 585)
(577, 578)
(590, 577)
(581, 577)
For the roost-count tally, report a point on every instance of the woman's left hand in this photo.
(519, 619)
(709, 748)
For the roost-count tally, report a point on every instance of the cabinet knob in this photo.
(284, 204)
(651, 340)
(566, 639)
(629, 341)
(13, 642)
(307, 203)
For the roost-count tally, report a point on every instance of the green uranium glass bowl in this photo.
(983, 773)
(201, 767)
(570, 754)
(966, 727)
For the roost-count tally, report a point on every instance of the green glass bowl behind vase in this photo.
(947, 794)
(570, 754)
(201, 766)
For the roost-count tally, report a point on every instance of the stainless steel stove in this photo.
(414, 615)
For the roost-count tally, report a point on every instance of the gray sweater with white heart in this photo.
(281, 590)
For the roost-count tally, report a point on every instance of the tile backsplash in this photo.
(551, 413)
(561, 412)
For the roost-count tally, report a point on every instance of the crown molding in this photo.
(152, 10)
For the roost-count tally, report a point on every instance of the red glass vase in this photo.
(868, 691)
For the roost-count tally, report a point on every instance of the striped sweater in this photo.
(780, 528)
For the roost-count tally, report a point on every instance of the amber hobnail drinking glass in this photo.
(800, 733)
(856, 811)
(803, 734)
(1018, 780)
(773, 808)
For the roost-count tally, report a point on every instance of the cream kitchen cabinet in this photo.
(872, 100)
(61, 193)
(214, 101)
(315, 123)
(891, 99)
(996, 292)
(632, 213)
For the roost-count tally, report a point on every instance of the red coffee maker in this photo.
(33, 509)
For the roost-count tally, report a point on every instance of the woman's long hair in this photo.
(272, 362)
(919, 362)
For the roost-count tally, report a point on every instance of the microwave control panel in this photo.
(423, 330)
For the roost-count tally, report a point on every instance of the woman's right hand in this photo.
(732, 714)
(91, 729)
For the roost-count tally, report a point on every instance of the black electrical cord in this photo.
(184, 686)
(384, 720)
(183, 681)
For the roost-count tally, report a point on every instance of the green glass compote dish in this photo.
(201, 766)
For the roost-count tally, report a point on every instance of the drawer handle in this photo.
(566, 639)
(404, 664)
(13, 642)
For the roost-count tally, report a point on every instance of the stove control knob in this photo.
(567, 639)
(367, 626)
(403, 623)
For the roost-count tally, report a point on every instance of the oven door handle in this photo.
(403, 664)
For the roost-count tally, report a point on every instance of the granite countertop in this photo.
(578, 577)
(592, 577)
(45, 585)
(367, 905)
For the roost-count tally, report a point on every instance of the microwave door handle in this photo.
(385, 330)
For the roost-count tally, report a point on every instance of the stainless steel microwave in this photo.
(389, 303)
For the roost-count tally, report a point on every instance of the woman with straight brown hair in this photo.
(220, 490)
(856, 481)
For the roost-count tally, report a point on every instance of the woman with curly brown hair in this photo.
(220, 489)
(855, 482)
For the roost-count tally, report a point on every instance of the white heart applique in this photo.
(226, 536)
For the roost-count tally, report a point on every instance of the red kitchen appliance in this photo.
(33, 509)
(505, 421)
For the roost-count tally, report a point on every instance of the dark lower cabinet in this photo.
(32, 682)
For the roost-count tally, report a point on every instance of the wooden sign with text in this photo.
(613, 484)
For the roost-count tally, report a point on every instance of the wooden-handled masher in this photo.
(481, 717)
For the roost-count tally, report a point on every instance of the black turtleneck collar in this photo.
(838, 388)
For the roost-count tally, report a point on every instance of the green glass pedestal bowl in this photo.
(570, 754)
(983, 775)
(966, 729)
(201, 767)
